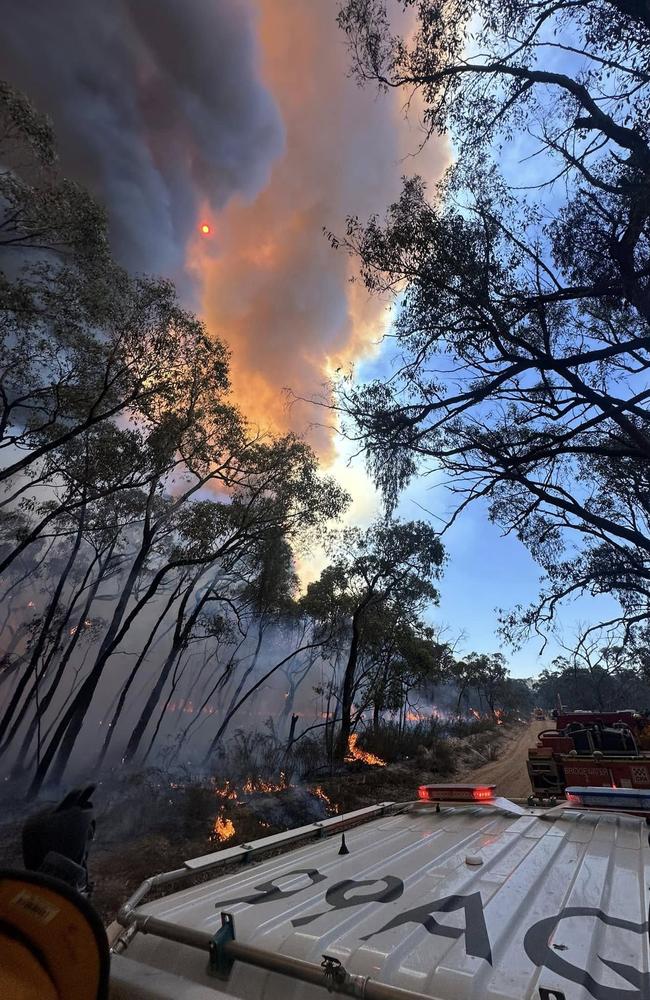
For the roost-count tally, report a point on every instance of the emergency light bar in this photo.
(456, 793)
(620, 799)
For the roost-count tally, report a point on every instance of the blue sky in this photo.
(485, 571)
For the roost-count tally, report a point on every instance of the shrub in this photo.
(469, 727)
(391, 744)
(443, 757)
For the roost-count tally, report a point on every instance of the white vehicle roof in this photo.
(465, 903)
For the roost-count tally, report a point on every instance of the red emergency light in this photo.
(456, 793)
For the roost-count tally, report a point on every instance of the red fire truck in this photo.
(591, 748)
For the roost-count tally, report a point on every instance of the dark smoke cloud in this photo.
(157, 105)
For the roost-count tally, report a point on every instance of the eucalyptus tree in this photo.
(483, 673)
(272, 486)
(391, 565)
(401, 654)
(41, 210)
(522, 356)
(128, 476)
(82, 343)
(96, 558)
(595, 672)
(267, 588)
(112, 479)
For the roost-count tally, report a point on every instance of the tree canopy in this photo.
(522, 353)
(379, 581)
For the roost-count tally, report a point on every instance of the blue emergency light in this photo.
(621, 799)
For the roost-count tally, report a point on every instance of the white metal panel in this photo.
(560, 903)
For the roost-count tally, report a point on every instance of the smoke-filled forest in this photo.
(156, 536)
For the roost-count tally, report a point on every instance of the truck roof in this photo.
(462, 903)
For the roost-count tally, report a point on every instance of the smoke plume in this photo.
(273, 287)
(239, 113)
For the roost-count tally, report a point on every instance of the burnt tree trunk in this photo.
(347, 690)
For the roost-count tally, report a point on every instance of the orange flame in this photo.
(86, 624)
(252, 785)
(356, 753)
(224, 828)
(226, 791)
(414, 717)
(321, 794)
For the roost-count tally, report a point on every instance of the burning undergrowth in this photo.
(276, 807)
(355, 753)
(151, 820)
(257, 787)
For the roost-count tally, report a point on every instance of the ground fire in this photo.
(356, 753)
(224, 828)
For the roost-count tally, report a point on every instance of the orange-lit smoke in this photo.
(272, 287)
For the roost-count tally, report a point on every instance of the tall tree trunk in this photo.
(223, 679)
(182, 633)
(32, 667)
(110, 730)
(460, 698)
(45, 702)
(347, 691)
(75, 721)
(233, 703)
(251, 691)
(65, 736)
(177, 676)
(330, 732)
(292, 731)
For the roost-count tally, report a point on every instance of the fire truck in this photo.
(591, 748)
(456, 895)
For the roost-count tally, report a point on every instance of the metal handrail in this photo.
(330, 975)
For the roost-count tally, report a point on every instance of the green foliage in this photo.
(39, 209)
(598, 674)
(368, 603)
(393, 562)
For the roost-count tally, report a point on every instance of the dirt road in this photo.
(509, 772)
